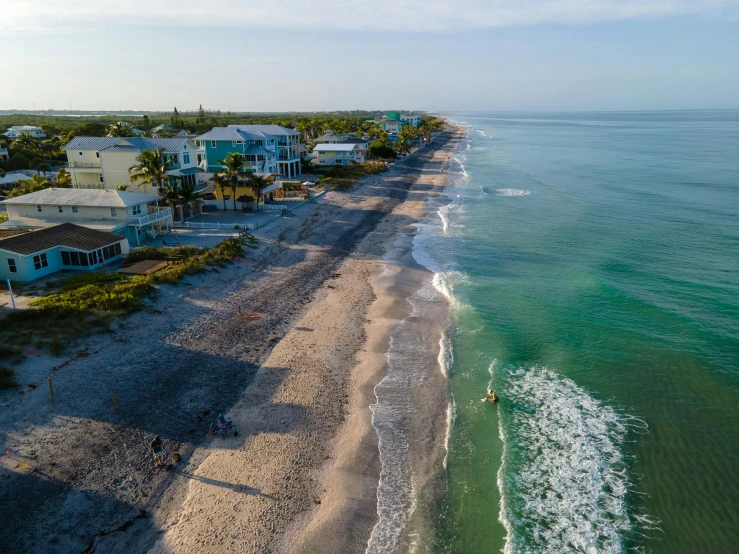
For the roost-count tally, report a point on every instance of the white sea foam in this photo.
(511, 192)
(446, 355)
(451, 412)
(563, 481)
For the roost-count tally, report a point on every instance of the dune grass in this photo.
(342, 177)
(86, 304)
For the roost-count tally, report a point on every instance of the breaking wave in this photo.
(511, 192)
(563, 481)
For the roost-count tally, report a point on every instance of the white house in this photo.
(103, 162)
(29, 256)
(330, 138)
(338, 154)
(15, 131)
(414, 120)
(132, 215)
(4, 154)
(392, 126)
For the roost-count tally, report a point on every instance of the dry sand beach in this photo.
(302, 474)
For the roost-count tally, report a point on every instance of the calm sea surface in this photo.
(592, 262)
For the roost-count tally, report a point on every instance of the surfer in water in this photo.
(491, 397)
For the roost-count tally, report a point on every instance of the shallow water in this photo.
(591, 262)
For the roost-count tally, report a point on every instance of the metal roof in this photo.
(334, 147)
(254, 149)
(127, 144)
(66, 234)
(223, 133)
(91, 143)
(265, 129)
(83, 197)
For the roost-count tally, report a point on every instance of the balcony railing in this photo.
(85, 165)
(141, 220)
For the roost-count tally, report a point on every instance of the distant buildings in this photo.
(39, 253)
(393, 122)
(135, 216)
(4, 154)
(103, 162)
(267, 148)
(338, 154)
(15, 131)
(162, 131)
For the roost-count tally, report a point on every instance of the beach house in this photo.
(103, 162)
(4, 154)
(267, 148)
(134, 216)
(338, 154)
(15, 131)
(391, 126)
(29, 256)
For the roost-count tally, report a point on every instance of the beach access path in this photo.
(295, 374)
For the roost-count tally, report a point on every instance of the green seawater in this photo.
(593, 264)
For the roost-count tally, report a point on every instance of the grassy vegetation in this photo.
(86, 304)
(341, 177)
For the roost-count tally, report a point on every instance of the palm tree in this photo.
(63, 179)
(187, 195)
(151, 169)
(25, 142)
(235, 164)
(121, 187)
(221, 180)
(258, 183)
(119, 129)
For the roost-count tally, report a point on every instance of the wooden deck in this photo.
(145, 267)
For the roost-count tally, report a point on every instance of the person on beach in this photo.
(157, 451)
(491, 397)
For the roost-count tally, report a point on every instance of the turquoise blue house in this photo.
(36, 254)
(267, 148)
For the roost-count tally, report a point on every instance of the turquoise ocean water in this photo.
(592, 265)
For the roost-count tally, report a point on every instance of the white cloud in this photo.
(41, 16)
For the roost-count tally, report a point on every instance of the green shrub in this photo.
(86, 304)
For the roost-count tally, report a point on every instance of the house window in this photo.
(40, 261)
(212, 144)
(101, 178)
(186, 157)
(80, 153)
(75, 210)
(11, 266)
(38, 208)
(97, 155)
(61, 209)
(113, 212)
(136, 210)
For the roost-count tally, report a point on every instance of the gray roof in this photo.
(66, 234)
(356, 140)
(91, 143)
(83, 197)
(265, 129)
(334, 147)
(254, 149)
(227, 133)
(127, 144)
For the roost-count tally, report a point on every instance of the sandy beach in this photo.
(330, 285)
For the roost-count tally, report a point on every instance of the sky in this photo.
(324, 55)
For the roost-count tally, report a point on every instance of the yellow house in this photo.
(103, 162)
(246, 195)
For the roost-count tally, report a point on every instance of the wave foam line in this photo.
(563, 481)
(511, 192)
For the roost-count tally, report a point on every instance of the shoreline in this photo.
(287, 379)
(348, 513)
